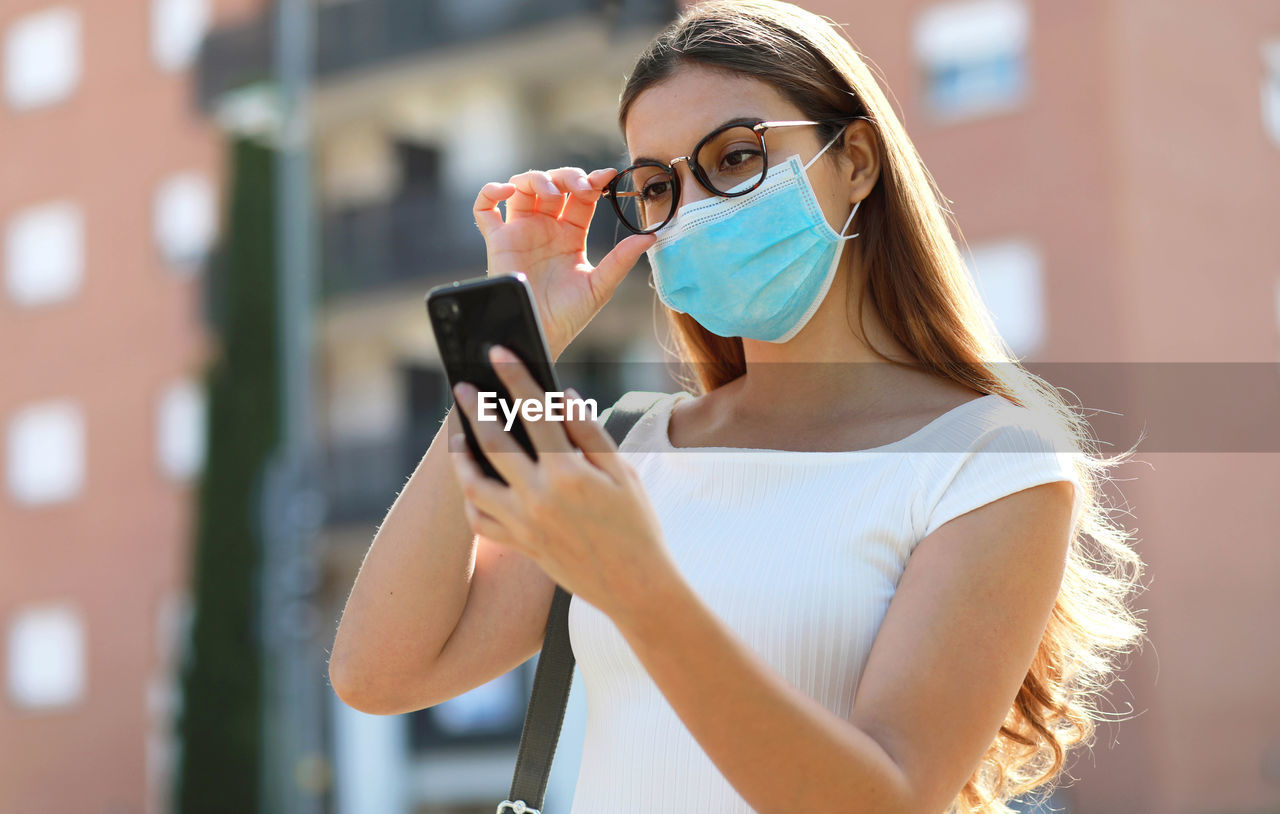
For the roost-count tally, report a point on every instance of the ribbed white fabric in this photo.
(799, 553)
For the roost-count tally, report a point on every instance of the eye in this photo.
(737, 158)
(655, 190)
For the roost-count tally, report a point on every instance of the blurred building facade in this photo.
(109, 189)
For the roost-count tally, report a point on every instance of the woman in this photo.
(809, 583)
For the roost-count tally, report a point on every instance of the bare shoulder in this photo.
(695, 420)
(907, 409)
(931, 399)
(860, 418)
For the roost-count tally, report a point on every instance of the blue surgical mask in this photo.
(757, 266)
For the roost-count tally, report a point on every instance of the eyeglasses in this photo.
(730, 161)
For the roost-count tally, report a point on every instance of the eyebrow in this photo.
(725, 123)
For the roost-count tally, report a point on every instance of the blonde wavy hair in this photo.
(918, 281)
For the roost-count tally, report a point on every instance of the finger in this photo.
(599, 178)
(595, 443)
(536, 193)
(508, 457)
(488, 527)
(486, 211)
(581, 203)
(547, 436)
(579, 209)
(572, 181)
(621, 259)
(481, 493)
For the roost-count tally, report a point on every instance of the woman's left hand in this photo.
(580, 511)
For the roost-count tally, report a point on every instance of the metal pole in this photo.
(292, 669)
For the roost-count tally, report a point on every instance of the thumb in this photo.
(615, 265)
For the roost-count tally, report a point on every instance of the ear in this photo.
(861, 154)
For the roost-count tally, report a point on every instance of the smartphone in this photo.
(469, 317)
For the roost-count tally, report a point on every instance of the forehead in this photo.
(667, 119)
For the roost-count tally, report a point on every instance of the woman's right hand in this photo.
(544, 235)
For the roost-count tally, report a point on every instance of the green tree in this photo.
(220, 721)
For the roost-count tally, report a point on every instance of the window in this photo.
(46, 657)
(180, 430)
(164, 696)
(44, 253)
(177, 28)
(184, 218)
(42, 58)
(973, 56)
(1271, 89)
(1008, 275)
(420, 168)
(45, 452)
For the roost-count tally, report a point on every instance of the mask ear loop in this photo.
(840, 133)
(852, 212)
(809, 164)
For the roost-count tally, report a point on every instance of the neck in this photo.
(830, 363)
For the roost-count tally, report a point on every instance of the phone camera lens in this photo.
(448, 309)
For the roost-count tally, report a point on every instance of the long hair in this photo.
(917, 280)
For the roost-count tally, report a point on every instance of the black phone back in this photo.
(470, 316)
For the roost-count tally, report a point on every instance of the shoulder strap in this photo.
(628, 411)
(554, 675)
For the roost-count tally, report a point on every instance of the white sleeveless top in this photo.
(799, 553)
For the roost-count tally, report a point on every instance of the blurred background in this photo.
(220, 217)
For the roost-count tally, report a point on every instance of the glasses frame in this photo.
(612, 192)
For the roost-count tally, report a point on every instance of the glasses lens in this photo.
(645, 195)
(732, 160)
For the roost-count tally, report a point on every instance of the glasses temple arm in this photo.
(771, 125)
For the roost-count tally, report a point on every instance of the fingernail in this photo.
(582, 184)
(461, 391)
(497, 353)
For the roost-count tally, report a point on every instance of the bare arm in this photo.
(411, 596)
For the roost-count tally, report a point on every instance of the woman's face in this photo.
(669, 119)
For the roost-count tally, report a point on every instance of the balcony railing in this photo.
(357, 35)
(362, 478)
(424, 237)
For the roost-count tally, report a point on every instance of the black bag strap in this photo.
(554, 674)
